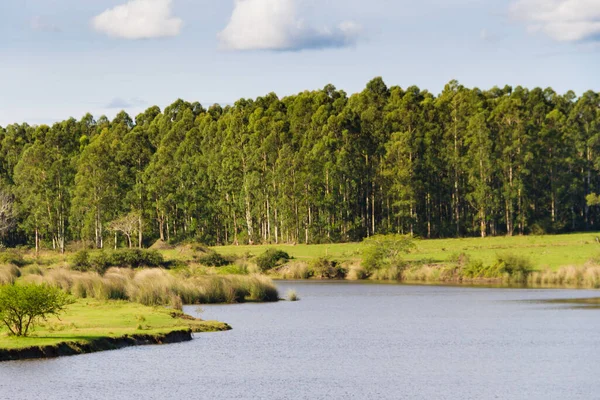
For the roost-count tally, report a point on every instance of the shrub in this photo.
(81, 261)
(385, 251)
(517, 267)
(214, 259)
(135, 258)
(123, 258)
(11, 256)
(271, 259)
(23, 306)
(326, 268)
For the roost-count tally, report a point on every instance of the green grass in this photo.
(89, 320)
(550, 251)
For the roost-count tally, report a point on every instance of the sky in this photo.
(64, 58)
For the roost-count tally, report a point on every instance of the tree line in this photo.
(319, 166)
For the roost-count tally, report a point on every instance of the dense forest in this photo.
(319, 166)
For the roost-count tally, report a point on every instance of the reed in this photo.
(9, 274)
(292, 295)
(158, 287)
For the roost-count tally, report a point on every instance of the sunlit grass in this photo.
(550, 251)
(89, 319)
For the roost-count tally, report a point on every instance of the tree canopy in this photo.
(319, 166)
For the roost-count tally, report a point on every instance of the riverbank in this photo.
(91, 326)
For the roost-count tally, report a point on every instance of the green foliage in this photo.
(23, 306)
(136, 258)
(122, 258)
(385, 251)
(326, 268)
(320, 166)
(214, 259)
(11, 256)
(81, 261)
(510, 267)
(271, 259)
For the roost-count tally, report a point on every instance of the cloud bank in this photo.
(139, 19)
(275, 25)
(562, 20)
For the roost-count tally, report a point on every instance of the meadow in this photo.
(89, 320)
(549, 251)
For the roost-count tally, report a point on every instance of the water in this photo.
(350, 341)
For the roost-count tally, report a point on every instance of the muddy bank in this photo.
(103, 344)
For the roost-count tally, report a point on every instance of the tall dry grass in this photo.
(9, 274)
(159, 287)
(587, 276)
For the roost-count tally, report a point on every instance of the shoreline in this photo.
(91, 326)
(483, 283)
(72, 348)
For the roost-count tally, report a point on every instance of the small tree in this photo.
(385, 251)
(128, 225)
(23, 306)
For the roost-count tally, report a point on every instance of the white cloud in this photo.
(275, 25)
(139, 19)
(562, 20)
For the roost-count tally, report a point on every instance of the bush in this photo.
(385, 251)
(135, 258)
(214, 259)
(12, 257)
(517, 267)
(123, 258)
(81, 261)
(325, 268)
(271, 258)
(23, 306)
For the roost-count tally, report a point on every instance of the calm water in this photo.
(350, 341)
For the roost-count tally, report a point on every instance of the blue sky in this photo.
(63, 58)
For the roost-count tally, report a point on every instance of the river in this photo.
(350, 341)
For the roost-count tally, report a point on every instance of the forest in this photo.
(317, 167)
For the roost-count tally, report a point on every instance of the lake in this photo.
(350, 341)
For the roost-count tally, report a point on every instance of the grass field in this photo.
(88, 320)
(551, 251)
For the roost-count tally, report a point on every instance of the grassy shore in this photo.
(571, 260)
(549, 251)
(91, 320)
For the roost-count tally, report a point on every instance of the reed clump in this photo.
(157, 286)
(294, 270)
(9, 274)
(587, 276)
(292, 295)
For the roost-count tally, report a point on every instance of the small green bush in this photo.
(271, 259)
(122, 258)
(24, 306)
(136, 258)
(518, 268)
(325, 268)
(214, 259)
(81, 261)
(385, 251)
(11, 256)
